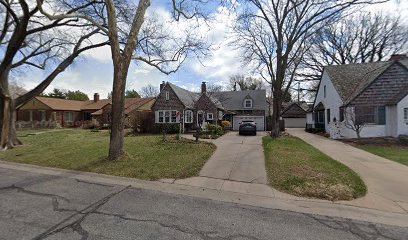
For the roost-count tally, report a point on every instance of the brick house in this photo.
(177, 105)
(374, 95)
(53, 112)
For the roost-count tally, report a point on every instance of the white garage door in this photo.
(259, 120)
(295, 122)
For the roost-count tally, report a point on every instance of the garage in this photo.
(259, 120)
(294, 115)
(295, 122)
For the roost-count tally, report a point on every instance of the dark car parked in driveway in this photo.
(247, 128)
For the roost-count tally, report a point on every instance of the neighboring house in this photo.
(177, 105)
(69, 113)
(372, 95)
(294, 115)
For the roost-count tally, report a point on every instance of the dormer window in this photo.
(248, 103)
(167, 95)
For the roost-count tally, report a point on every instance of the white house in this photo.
(373, 96)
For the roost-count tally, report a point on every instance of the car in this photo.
(247, 128)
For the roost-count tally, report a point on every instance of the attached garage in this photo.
(259, 120)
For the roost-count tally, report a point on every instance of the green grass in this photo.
(296, 167)
(392, 153)
(147, 156)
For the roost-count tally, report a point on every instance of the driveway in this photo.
(386, 180)
(237, 158)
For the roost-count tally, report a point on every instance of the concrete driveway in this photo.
(237, 158)
(386, 180)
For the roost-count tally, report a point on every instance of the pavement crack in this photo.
(33, 193)
(363, 231)
(76, 225)
(93, 183)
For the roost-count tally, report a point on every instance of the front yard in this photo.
(295, 167)
(147, 156)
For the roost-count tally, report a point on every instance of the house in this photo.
(177, 105)
(372, 96)
(294, 115)
(53, 112)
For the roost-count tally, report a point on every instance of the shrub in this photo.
(215, 129)
(170, 128)
(403, 139)
(225, 124)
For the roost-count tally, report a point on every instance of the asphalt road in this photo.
(35, 206)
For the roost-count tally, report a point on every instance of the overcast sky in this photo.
(92, 73)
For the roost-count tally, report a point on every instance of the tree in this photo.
(273, 37)
(152, 44)
(352, 121)
(149, 91)
(245, 83)
(361, 38)
(30, 40)
(131, 94)
(76, 95)
(56, 93)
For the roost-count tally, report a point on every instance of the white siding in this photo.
(332, 100)
(402, 124)
(391, 127)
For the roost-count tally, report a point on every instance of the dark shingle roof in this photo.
(350, 79)
(234, 100)
(186, 97)
(294, 110)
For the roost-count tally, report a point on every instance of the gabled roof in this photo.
(350, 79)
(186, 97)
(234, 100)
(132, 104)
(61, 104)
(294, 110)
(92, 105)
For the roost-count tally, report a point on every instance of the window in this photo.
(328, 115)
(406, 114)
(319, 118)
(210, 116)
(248, 103)
(87, 116)
(42, 116)
(188, 116)
(370, 115)
(167, 116)
(341, 110)
(324, 90)
(68, 116)
(167, 95)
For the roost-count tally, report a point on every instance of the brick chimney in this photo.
(203, 87)
(96, 97)
(397, 57)
(162, 85)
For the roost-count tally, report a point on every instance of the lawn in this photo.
(295, 167)
(148, 157)
(398, 154)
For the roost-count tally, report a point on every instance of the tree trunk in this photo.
(277, 103)
(8, 130)
(116, 145)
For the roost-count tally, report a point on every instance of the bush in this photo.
(403, 139)
(170, 128)
(225, 124)
(215, 129)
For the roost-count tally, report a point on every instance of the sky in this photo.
(93, 71)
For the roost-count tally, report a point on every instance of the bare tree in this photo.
(31, 40)
(245, 83)
(132, 35)
(352, 121)
(273, 37)
(149, 91)
(359, 38)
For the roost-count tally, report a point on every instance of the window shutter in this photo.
(156, 116)
(381, 115)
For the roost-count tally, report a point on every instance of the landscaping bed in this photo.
(295, 167)
(148, 157)
(387, 147)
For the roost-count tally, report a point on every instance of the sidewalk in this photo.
(387, 181)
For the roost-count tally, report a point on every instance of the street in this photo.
(39, 206)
